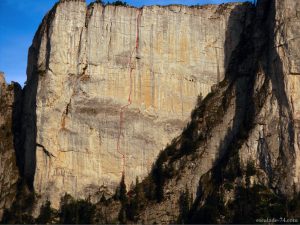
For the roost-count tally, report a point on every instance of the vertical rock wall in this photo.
(287, 46)
(252, 118)
(114, 85)
(9, 173)
(273, 143)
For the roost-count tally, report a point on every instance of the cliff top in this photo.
(170, 6)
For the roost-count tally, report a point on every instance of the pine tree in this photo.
(76, 211)
(158, 178)
(123, 191)
(117, 3)
(184, 205)
(137, 202)
(122, 215)
(139, 192)
(149, 188)
(46, 213)
(100, 2)
(122, 197)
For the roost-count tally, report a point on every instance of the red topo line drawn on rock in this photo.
(129, 100)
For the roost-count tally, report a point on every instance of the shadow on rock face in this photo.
(255, 56)
(24, 126)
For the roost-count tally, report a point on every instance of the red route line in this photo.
(129, 101)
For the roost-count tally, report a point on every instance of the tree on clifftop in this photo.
(100, 2)
(121, 3)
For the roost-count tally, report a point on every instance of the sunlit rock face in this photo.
(9, 173)
(112, 86)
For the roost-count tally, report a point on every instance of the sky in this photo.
(19, 20)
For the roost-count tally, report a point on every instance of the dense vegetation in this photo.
(115, 3)
(118, 3)
(250, 200)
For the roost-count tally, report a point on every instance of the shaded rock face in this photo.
(288, 52)
(273, 142)
(251, 117)
(108, 87)
(9, 174)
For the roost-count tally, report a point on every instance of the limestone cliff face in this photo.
(251, 117)
(287, 20)
(9, 173)
(274, 140)
(109, 87)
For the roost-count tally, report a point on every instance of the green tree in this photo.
(76, 211)
(19, 211)
(257, 202)
(100, 2)
(121, 3)
(46, 213)
(149, 188)
(185, 201)
(122, 215)
(158, 175)
(159, 179)
(122, 197)
(137, 202)
(139, 193)
(123, 191)
(208, 213)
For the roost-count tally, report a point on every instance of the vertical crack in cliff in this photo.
(129, 100)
